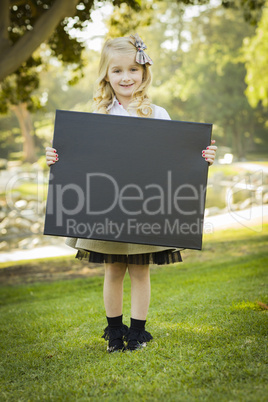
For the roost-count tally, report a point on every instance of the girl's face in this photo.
(125, 76)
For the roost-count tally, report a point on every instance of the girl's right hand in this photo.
(51, 156)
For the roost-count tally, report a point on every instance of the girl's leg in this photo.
(137, 337)
(113, 288)
(140, 290)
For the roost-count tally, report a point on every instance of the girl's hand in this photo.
(210, 153)
(51, 156)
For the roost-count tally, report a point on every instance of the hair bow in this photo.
(141, 56)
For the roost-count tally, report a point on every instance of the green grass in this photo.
(225, 170)
(232, 169)
(210, 333)
(33, 189)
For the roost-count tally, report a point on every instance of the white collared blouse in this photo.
(115, 108)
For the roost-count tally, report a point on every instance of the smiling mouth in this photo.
(126, 86)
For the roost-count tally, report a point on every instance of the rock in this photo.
(212, 211)
(265, 198)
(233, 207)
(36, 242)
(23, 223)
(29, 215)
(29, 243)
(13, 214)
(4, 246)
(25, 243)
(245, 204)
(33, 205)
(5, 223)
(36, 227)
(14, 230)
(21, 204)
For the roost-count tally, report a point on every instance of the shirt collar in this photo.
(113, 103)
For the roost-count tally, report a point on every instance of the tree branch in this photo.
(29, 42)
(4, 23)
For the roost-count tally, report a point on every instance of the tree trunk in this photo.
(25, 122)
(239, 144)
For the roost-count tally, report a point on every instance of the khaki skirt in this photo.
(159, 258)
(98, 251)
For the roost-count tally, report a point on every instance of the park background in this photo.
(209, 314)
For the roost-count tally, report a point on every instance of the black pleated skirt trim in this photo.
(159, 258)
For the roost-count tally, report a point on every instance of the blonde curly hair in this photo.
(105, 93)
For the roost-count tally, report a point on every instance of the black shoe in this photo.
(137, 339)
(115, 336)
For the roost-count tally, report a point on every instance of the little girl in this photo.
(124, 79)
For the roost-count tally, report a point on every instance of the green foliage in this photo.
(256, 55)
(64, 47)
(10, 139)
(125, 20)
(207, 79)
(42, 163)
(19, 87)
(58, 94)
(251, 9)
(209, 332)
(23, 16)
(16, 156)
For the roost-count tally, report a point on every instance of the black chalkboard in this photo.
(128, 179)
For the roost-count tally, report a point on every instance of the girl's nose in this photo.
(125, 76)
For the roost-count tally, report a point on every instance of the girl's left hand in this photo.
(210, 153)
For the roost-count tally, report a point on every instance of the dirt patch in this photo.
(49, 270)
